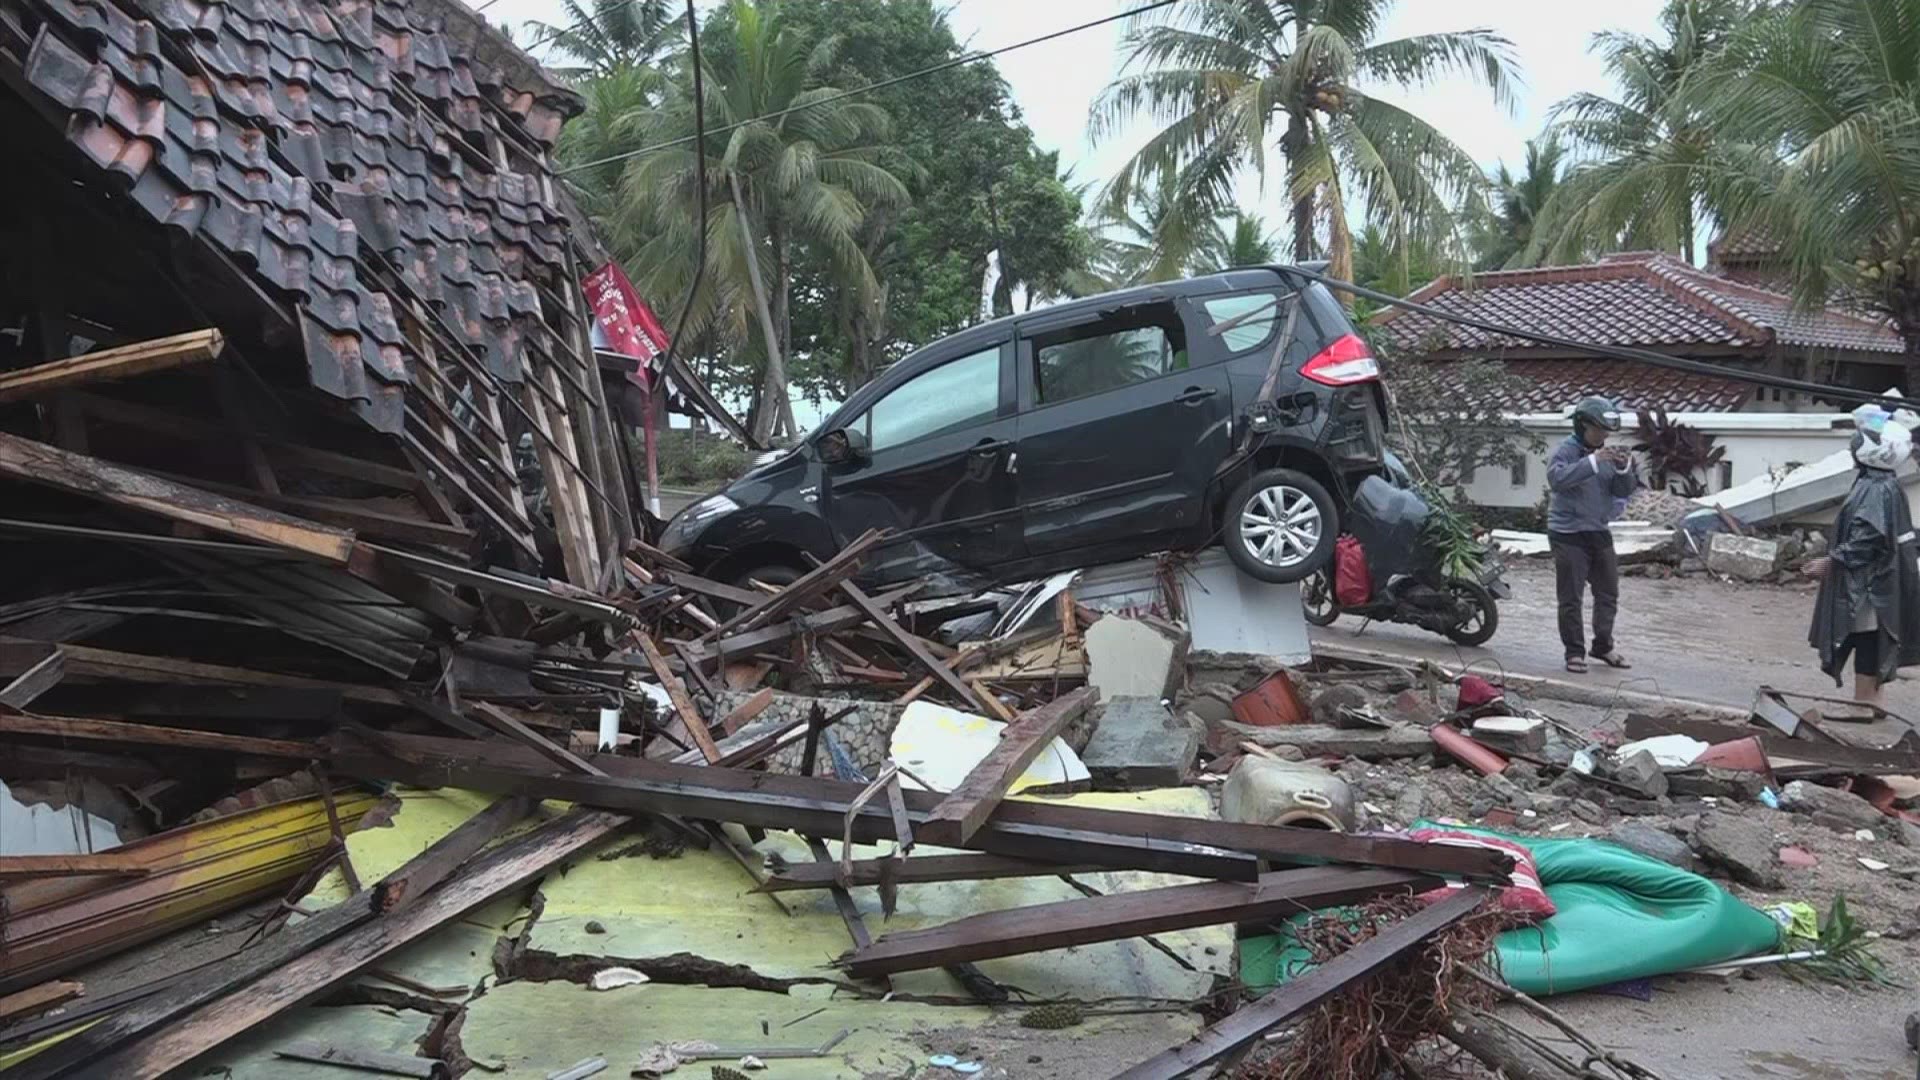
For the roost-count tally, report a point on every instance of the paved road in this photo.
(1687, 637)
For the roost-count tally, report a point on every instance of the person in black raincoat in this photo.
(1869, 602)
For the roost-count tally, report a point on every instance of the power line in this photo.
(958, 61)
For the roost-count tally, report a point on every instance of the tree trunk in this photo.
(782, 304)
(1293, 145)
(1687, 226)
(773, 390)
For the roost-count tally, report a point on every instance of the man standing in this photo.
(1583, 480)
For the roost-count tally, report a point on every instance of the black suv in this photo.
(1155, 418)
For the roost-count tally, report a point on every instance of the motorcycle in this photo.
(1405, 571)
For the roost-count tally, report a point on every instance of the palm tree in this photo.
(615, 35)
(1820, 107)
(1239, 240)
(1640, 180)
(1225, 77)
(1519, 201)
(785, 167)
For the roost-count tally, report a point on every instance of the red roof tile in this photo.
(1552, 385)
(1639, 299)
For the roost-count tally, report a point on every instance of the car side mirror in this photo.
(843, 446)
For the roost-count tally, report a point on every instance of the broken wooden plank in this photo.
(361, 1059)
(747, 710)
(830, 621)
(1239, 1029)
(966, 808)
(550, 595)
(814, 582)
(444, 856)
(919, 870)
(914, 646)
(38, 463)
(75, 727)
(35, 681)
(236, 977)
(511, 726)
(682, 704)
(38, 999)
(1118, 916)
(119, 362)
(85, 661)
(97, 864)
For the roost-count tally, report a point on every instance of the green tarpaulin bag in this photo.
(1622, 916)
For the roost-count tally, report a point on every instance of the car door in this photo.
(1120, 427)
(935, 469)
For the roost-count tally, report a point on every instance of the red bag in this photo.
(1352, 585)
(1524, 897)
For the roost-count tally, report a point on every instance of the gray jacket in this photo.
(1582, 488)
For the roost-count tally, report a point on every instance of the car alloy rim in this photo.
(1280, 525)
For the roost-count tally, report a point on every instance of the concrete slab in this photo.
(1133, 658)
(1138, 743)
(941, 746)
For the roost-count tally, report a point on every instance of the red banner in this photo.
(625, 319)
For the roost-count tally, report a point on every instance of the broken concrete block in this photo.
(1588, 811)
(1748, 558)
(1642, 773)
(1134, 658)
(1739, 846)
(1654, 844)
(1330, 706)
(1262, 791)
(1511, 734)
(1842, 811)
(1138, 744)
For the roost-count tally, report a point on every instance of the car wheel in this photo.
(1280, 526)
(1316, 598)
(778, 575)
(1480, 613)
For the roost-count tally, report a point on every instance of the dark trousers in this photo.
(1580, 560)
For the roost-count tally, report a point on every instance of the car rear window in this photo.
(1250, 319)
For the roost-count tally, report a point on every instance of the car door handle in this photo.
(1194, 394)
(990, 446)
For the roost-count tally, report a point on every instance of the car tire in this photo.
(1316, 598)
(779, 575)
(1481, 630)
(1271, 516)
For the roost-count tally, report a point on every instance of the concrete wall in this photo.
(1756, 444)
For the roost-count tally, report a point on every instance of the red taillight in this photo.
(1343, 363)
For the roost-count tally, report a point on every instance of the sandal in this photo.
(1612, 659)
(1577, 665)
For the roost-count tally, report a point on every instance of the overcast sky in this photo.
(1054, 83)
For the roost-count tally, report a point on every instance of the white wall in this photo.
(1756, 444)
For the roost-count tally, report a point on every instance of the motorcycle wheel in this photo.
(1316, 599)
(1483, 613)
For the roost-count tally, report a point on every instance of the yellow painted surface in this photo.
(361, 1027)
(702, 904)
(538, 1028)
(941, 745)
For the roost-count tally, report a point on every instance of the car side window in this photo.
(1127, 346)
(957, 393)
(1249, 319)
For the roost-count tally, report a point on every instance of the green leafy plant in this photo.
(1454, 535)
(1678, 455)
(1846, 951)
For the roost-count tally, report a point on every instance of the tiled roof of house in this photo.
(1552, 385)
(1640, 299)
(374, 171)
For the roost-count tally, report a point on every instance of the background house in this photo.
(1654, 302)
